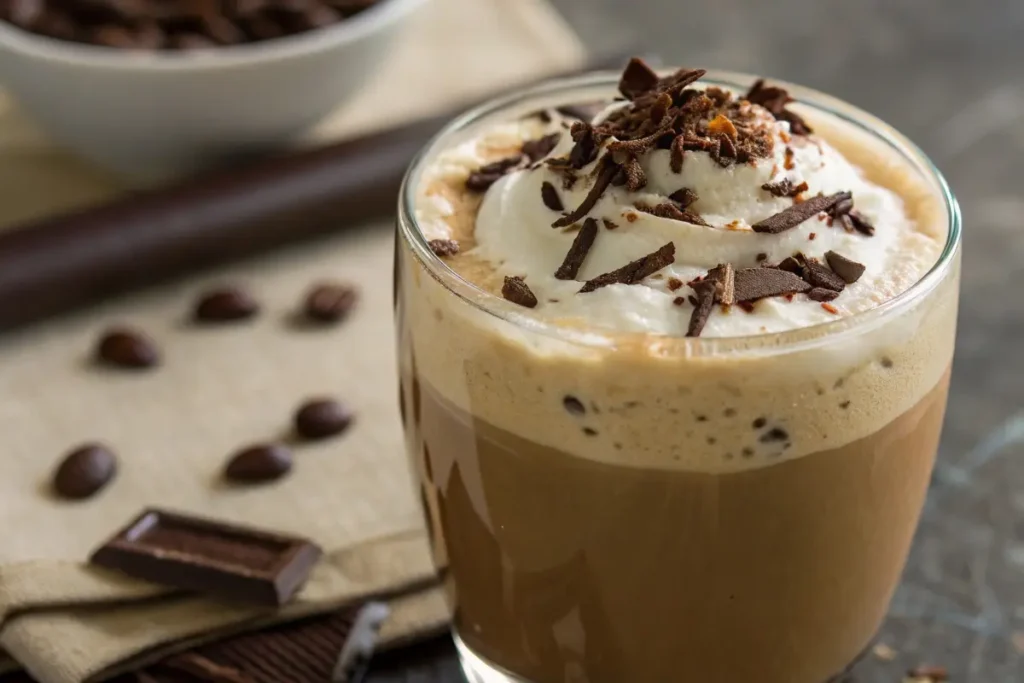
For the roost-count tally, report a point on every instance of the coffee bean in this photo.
(320, 418)
(127, 348)
(84, 471)
(330, 302)
(257, 464)
(225, 305)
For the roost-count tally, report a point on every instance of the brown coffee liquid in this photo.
(563, 569)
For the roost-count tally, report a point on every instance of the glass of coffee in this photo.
(674, 354)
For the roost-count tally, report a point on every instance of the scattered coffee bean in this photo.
(257, 464)
(84, 471)
(225, 305)
(127, 348)
(330, 302)
(574, 405)
(320, 418)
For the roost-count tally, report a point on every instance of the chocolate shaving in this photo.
(635, 177)
(672, 212)
(487, 175)
(608, 224)
(822, 294)
(851, 220)
(638, 145)
(785, 188)
(860, 224)
(516, 290)
(725, 153)
(775, 99)
(634, 271)
(795, 215)
(637, 78)
(676, 153)
(601, 183)
(444, 247)
(587, 143)
(684, 197)
(792, 264)
(758, 283)
(537, 149)
(725, 276)
(549, 195)
(706, 292)
(818, 275)
(845, 268)
(578, 251)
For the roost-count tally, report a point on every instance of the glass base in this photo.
(479, 670)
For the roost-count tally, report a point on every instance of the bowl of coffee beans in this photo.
(156, 88)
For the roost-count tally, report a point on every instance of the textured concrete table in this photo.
(949, 74)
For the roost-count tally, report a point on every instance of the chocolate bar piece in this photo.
(225, 561)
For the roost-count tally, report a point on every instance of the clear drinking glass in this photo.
(609, 508)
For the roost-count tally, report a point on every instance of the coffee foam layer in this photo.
(652, 401)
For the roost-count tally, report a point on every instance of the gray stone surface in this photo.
(950, 74)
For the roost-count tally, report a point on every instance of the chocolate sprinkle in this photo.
(549, 195)
(725, 277)
(537, 149)
(822, 294)
(676, 154)
(635, 177)
(672, 212)
(578, 251)
(634, 271)
(706, 292)
(684, 196)
(775, 99)
(604, 179)
(797, 214)
(444, 247)
(818, 275)
(758, 283)
(516, 290)
(585, 149)
(785, 188)
(487, 175)
(637, 78)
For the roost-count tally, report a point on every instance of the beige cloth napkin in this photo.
(221, 389)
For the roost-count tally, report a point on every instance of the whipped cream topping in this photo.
(514, 232)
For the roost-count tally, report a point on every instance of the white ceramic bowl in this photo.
(164, 113)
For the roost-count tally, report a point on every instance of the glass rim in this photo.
(786, 340)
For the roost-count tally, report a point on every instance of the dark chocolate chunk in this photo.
(822, 294)
(706, 292)
(637, 78)
(634, 271)
(444, 247)
(259, 464)
(818, 275)
(222, 560)
(672, 212)
(792, 264)
(774, 434)
(684, 197)
(797, 214)
(785, 188)
(487, 175)
(516, 290)
(199, 667)
(725, 277)
(330, 302)
(573, 405)
(320, 418)
(84, 472)
(127, 348)
(549, 195)
(578, 251)
(537, 149)
(225, 305)
(758, 283)
(601, 183)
